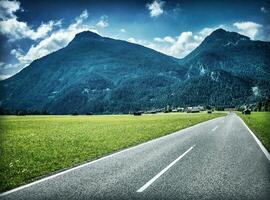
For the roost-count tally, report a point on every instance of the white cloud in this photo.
(207, 31)
(7, 70)
(158, 39)
(183, 45)
(16, 52)
(103, 22)
(4, 76)
(167, 39)
(132, 40)
(57, 40)
(8, 8)
(142, 42)
(264, 10)
(123, 30)
(250, 29)
(178, 46)
(156, 8)
(185, 42)
(83, 16)
(14, 29)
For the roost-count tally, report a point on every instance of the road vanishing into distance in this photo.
(217, 159)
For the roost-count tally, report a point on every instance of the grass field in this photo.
(259, 123)
(33, 146)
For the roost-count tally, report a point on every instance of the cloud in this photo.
(156, 8)
(184, 44)
(158, 39)
(83, 16)
(167, 39)
(16, 30)
(8, 8)
(57, 40)
(181, 45)
(4, 76)
(178, 46)
(123, 30)
(7, 70)
(250, 29)
(264, 10)
(132, 40)
(103, 22)
(142, 42)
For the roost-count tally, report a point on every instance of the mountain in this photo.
(227, 69)
(102, 75)
(232, 53)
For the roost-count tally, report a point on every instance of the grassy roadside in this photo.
(32, 146)
(259, 123)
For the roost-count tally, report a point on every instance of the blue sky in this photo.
(30, 29)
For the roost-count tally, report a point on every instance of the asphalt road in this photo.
(218, 159)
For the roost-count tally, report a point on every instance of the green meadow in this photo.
(259, 123)
(34, 146)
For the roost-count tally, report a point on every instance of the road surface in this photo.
(217, 159)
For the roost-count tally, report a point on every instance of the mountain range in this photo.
(103, 75)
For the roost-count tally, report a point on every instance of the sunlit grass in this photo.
(259, 123)
(32, 146)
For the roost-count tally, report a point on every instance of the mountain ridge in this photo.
(102, 75)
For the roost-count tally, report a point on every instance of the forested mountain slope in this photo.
(103, 75)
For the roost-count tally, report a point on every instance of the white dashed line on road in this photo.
(163, 171)
(215, 128)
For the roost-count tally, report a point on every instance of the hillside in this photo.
(103, 75)
(227, 69)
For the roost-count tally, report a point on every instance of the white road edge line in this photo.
(163, 171)
(264, 150)
(214, 128)
(102, 158)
